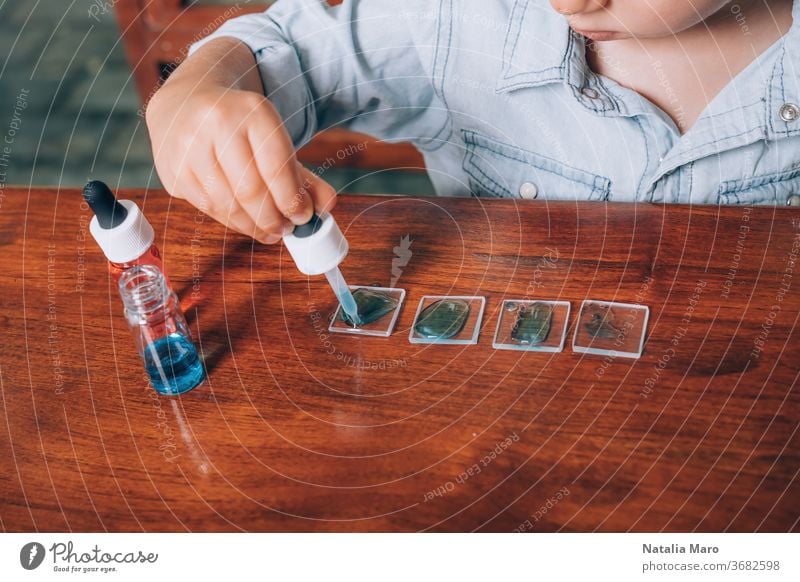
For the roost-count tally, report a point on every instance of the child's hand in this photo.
(225, 149)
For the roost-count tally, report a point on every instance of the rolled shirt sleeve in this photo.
(357, 65)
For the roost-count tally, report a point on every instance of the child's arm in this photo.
(219, 143)
(218, 140)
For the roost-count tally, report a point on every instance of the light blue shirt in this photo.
(500, 100)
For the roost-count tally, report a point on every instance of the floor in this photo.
(69, 100)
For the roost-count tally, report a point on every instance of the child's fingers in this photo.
(249, 189)
(273, 152)
(169, 178)
(322, 193)
(210, 195)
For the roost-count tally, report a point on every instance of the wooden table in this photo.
(296, 430)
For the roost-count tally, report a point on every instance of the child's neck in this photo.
(683, 73)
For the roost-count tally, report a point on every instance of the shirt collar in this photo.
(782, 99)
(541, 48)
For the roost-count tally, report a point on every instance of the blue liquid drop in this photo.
(173, 365)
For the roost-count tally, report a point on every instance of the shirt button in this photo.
(590, 93)
(789, 112)
(793, 200)
(529, 191)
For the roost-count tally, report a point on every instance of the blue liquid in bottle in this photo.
(159, 328)
(173, 365)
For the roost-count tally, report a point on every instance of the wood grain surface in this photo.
(300, 430)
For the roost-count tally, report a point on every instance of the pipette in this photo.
(318, 247)
(343, 294)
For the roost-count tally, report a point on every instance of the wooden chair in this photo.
(157, 34)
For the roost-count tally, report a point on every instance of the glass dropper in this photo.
(318, 247)
(343, 294)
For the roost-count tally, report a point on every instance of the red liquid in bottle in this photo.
(150, 257)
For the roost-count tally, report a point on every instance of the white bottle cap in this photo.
(128, 241)
(320, 252)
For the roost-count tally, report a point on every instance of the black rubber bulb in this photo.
(109, 212)
(309, 228)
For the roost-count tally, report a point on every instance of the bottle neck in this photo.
(145, 293)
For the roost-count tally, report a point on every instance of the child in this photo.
(690, 101)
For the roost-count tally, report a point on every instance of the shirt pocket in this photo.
(766, 189)
(498, 169)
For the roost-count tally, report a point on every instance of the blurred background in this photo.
(88, 66)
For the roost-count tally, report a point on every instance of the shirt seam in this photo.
(469, 165)
(469, 137)
(440, 81)
(599, 186)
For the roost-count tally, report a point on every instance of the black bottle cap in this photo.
(309, 228)
(109, 212)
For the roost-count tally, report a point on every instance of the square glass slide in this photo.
(442, 319)
(611, 329)
(378, 308)
(532, 326)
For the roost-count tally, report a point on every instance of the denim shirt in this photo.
(500, 100)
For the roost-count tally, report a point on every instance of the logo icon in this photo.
(31, 555)
(402, 255)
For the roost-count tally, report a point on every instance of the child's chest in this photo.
(528, 122)
(552, 149)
